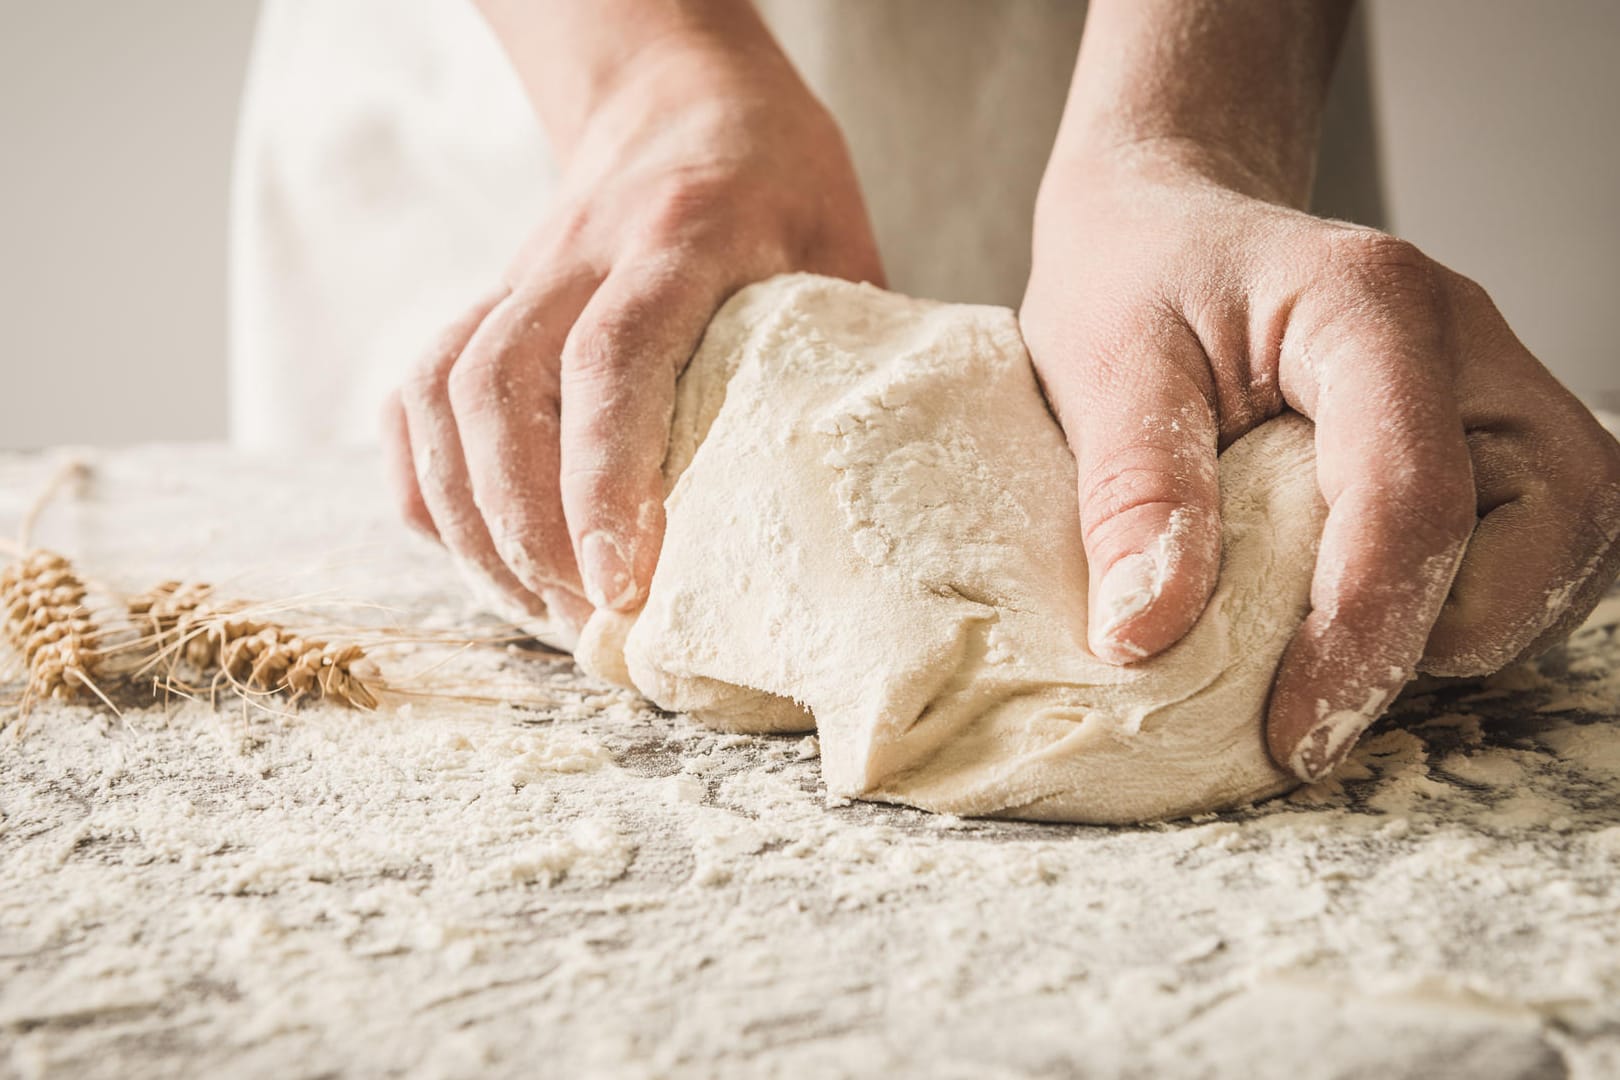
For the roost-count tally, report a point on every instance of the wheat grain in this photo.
(191, 631)
(181, 631)
(49, 626)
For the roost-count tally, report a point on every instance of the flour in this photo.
(581, 885)
(872, 522)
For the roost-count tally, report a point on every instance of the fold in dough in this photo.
(872, 531)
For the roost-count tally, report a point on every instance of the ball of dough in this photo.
(873, 531)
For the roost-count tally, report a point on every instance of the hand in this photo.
(1474, 503)
(530, 438)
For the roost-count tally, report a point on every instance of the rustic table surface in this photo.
(571, 883)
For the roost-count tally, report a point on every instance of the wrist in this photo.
(1224, 91)
(1166, 157)
(579, 61)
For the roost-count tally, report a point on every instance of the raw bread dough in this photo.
(872, 531)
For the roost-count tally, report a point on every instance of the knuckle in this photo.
(1393, 268)
(603, 464)
(433, 366)
(1469, 296)
(1595, 481)
(588, 480)
(467, 381)
(569, 229)
(1123, 489)
(1572, 457)
(1131, 478)
(425, 378)
(1606, 462)
(714, 225)
(1439, 507)
(482, 381)
(1590, 474)
(431, 373)
(686, 203)
(594, 350)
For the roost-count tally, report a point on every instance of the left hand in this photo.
(531, 437)
(1474, 502)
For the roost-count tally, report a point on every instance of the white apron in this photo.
(388, 166)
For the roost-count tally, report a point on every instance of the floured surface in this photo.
(591, 888)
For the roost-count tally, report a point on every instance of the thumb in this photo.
(1144, 437)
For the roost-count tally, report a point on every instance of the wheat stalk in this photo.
(50, 627)
(187, 629)
(179, 635)
(47, 622)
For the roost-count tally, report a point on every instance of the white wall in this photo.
(116, 120)
(1500, 128)
(1500, 122)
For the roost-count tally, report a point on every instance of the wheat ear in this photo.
(46, 620)
(191, 629)
(48, 625)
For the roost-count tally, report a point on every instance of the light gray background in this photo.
(1499, 121)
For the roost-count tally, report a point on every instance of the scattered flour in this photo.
(585, 886)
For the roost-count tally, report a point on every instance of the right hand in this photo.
(530, 439)
(1474, 503)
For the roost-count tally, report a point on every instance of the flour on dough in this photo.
(872, 531)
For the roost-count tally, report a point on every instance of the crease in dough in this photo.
(872, 531)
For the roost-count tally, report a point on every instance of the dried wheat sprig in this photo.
(48, 624)
(188, 628)
(187, 631)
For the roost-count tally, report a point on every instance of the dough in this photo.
(872, 531)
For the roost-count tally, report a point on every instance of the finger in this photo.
(440, 468)
(1548, 483)
(503, 392)
(396, 440)
(1144, 437)
(618, 391)
(1572, 601)
(1393, 466)
(1535, 566)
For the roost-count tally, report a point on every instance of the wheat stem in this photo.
(192, 629)
(74, 470)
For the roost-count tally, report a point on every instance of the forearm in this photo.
(572, 55)
(1231, 87)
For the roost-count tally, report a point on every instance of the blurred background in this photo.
(1498, 124)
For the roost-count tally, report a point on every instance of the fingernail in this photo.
(514, 553)
(608, 582)
(1127, 590)
(1326, 744)
(1332, 737)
